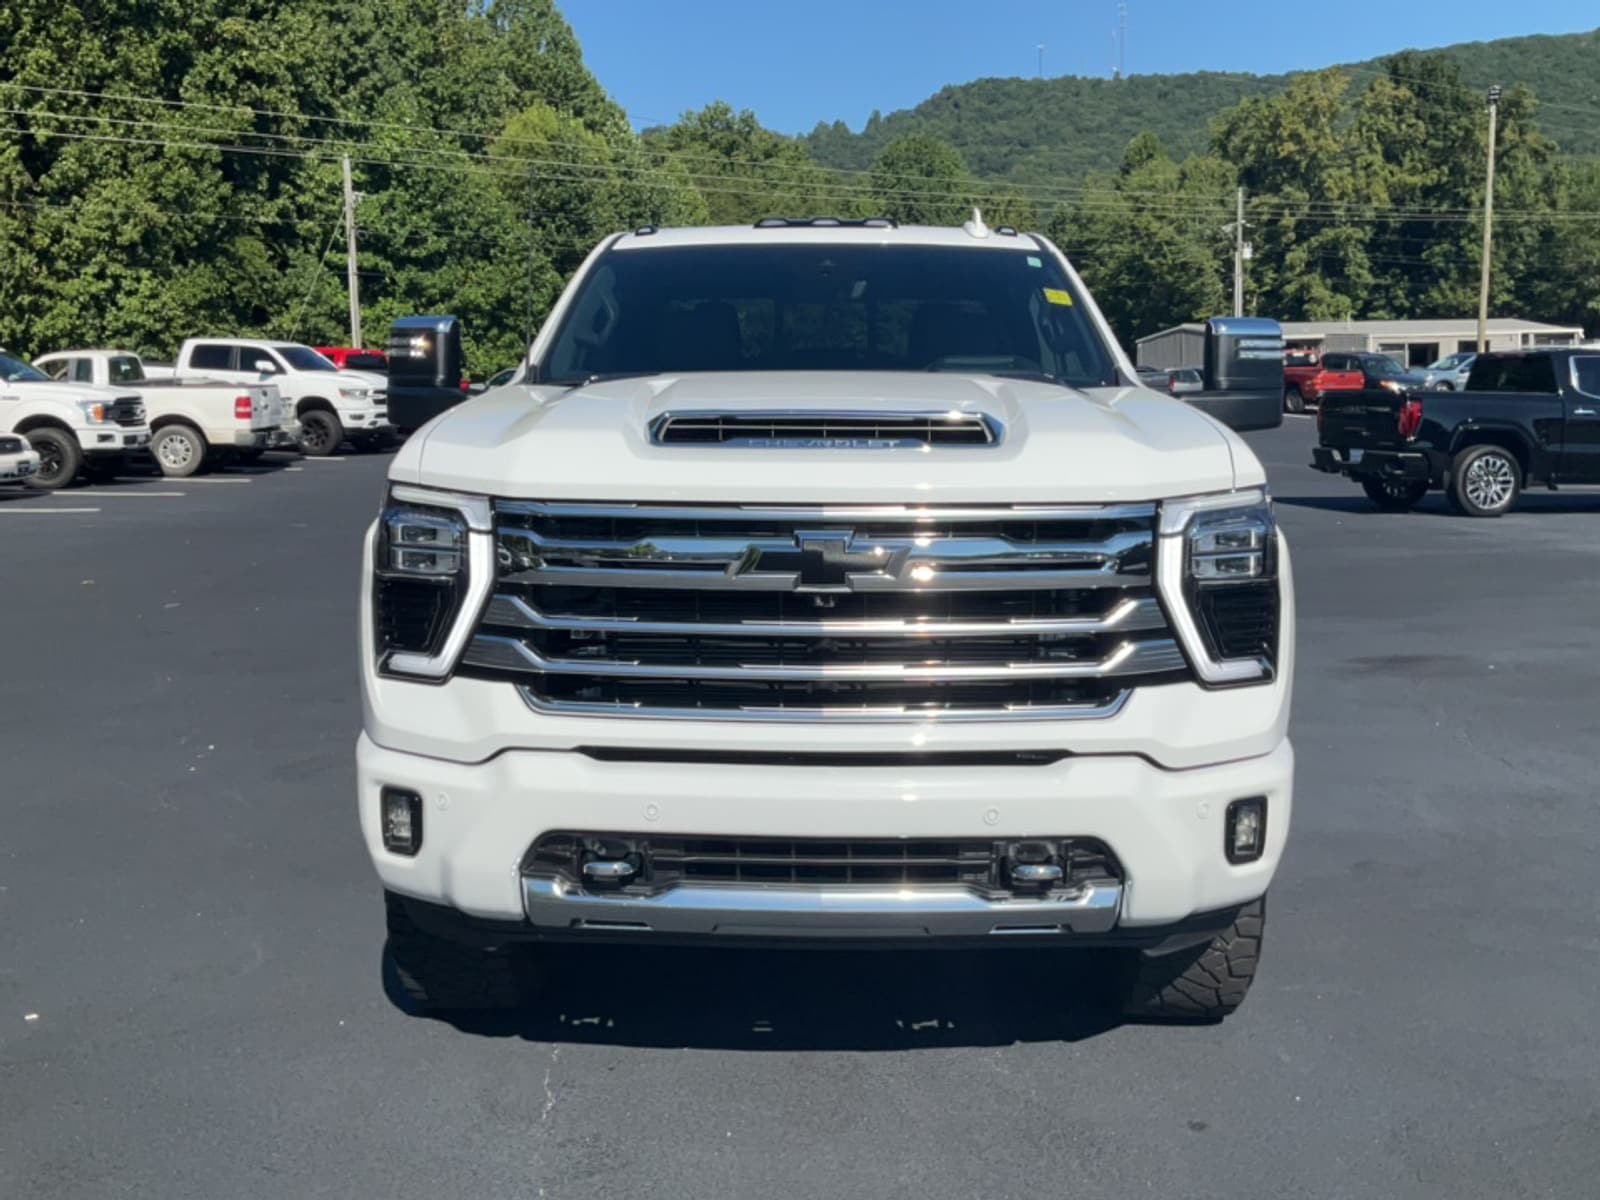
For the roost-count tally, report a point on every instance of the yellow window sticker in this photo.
(1058, 296)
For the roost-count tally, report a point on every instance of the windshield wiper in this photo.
(605, 377)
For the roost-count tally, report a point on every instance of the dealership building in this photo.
(1410, 343)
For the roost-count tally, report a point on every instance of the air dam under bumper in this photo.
(1165, 827)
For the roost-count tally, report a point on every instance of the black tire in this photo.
(1204, 982)
(1293, 400)
(1394, 495)
(445, 976)
(179, 450)
(1485, 481)
(321, 433)
(60, 459)
(1444, 385)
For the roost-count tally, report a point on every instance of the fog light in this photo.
(1245, 836)
(402, 821)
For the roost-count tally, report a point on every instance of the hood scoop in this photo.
(817, 430)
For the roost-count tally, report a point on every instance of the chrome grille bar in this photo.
(1127, 616)
(1129, 658)
(899, 513)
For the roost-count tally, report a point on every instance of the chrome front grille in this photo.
(868, 613)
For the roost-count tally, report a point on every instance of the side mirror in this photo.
(266, 366)
(477, 388)
(1243, 373)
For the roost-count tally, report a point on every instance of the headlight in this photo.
(1219, 577)
(431, 575)
(95, 412)
(355, 393)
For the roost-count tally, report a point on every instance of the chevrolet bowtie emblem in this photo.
(820, 561)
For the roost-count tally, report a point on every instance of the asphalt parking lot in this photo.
(192, 1000)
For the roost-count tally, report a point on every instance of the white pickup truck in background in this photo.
(332, 406)
(76, 428)
(195, 423)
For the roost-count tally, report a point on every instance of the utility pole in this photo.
(1238, 254)
(1488, 227)
(1040, 49)
(350, 255)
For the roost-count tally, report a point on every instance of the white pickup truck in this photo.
(332, 406)
(194, 423)
(76, 428)
(827, 582)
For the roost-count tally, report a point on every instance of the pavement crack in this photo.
(549, 1092)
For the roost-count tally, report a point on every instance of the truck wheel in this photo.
(179, 450)
(320, 433)
(1393, 495)
(60, 460)
(442, 975)
(1293, 400)
(1485, 481)
(1204, 982)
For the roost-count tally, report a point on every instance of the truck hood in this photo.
(1057, 445)
(67, 391)
(366, 379)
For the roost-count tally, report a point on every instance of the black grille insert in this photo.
(865, 430)
(662, 861)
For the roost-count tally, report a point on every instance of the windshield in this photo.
(14, 370)
(1451, 361)
(365, 362)
(829, 307)
(303, 358)
(1382, 364)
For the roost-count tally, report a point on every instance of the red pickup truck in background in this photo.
(1305, 379)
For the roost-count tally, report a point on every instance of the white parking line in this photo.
(1301, 416)
(294, 468)
(19, 508)
(215, 479)
(329, 458)
(105, 493)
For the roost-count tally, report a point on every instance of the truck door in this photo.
(1580, 458)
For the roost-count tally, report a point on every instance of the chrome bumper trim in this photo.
(844, 913)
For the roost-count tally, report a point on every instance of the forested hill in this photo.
(1032, 130)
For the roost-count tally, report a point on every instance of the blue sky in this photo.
(801, 61)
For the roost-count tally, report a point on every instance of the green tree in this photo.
(919, 180)
(743, 171)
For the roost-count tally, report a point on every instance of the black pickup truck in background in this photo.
(1524, 418)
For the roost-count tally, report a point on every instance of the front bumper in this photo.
(357, 420)
(112, 440)
(1166, 828)
(17, 468)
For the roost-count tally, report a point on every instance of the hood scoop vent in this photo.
(813, 430)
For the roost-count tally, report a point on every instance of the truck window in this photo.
(58, 369)
(301, 358)
(82, 370)
(211, 356)
(1513, 373)
(1586, 374)
(829, 307)
(124, 368)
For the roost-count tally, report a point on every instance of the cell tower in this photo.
(1122, 40)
